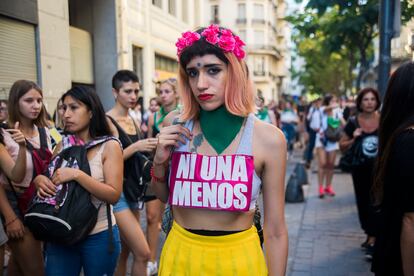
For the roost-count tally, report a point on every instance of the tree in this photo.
(325, 71)
(349, 26)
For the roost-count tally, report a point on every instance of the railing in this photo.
(241, 20)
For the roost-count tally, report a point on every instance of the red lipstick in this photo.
(205, 97)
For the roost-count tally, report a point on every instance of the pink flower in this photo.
(227, 41)
(187, 39)
(211, 34)
(238, 49)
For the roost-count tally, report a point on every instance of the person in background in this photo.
(362, 132)
(126, 88)
(326, 149)
(289, 120)
(154, 106)
(263, 113)
(313, 124)
(85, 119)
(154, 208)
(4, 114)
(14, 171)
(26, 98)
(394, 177)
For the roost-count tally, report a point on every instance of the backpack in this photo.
(41, 158)
(69, 216)
(333, 134)
(137, 169)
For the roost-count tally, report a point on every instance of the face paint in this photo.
(198, 65)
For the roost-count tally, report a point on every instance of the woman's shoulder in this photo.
(268, 134)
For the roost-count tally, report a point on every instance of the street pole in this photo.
(386, 34)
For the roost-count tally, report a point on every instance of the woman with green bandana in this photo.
(326, 146)
(154, 208)
(212, 163)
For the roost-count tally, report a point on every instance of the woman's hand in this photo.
(44, 186)
(168, 138)
(64, 175)
(17, 135)
(357, 132)
(146, 145)
(14, 228)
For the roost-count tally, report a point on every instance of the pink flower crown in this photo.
(222, 38)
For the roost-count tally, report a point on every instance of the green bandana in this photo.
(220, 127)
(262, 114)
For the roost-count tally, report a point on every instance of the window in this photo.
(215, 14)
(241, 11)
(157, 3)
(171, 7)
(259, 38)
(259, 66)
(184, 10)
(137, 65)
(165, 64)
(242, 35)
(258, 12)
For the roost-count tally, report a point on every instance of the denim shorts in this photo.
(92, 255)
(123, 204)
(3, 236)
(13, 203)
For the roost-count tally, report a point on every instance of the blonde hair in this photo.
(238, 95)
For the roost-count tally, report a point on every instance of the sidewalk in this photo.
(324, 234)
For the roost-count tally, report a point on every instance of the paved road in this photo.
(324, 234)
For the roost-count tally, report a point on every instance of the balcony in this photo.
(269, 49)
(258, 21)
(260, 73)
(241, 21)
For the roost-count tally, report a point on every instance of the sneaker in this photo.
(152, 268)
(329, 191)
(321, 192)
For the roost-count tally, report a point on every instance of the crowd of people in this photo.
(198, 159)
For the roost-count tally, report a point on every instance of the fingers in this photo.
(176, 129)
(16, 125)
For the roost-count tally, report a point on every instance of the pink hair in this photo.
(238, 97)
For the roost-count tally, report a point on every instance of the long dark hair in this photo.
(397, 115)
(98, 126)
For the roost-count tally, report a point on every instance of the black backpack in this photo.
(69, 216)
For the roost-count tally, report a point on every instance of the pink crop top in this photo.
(224, 182)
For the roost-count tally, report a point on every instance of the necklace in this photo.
(220, 127)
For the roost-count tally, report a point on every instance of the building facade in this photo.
(260, 23)
(61, 43)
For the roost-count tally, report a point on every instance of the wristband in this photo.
(10, 222)
(156, 178)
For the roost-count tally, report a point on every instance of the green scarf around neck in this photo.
(220, 127)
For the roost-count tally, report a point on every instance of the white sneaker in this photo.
(152, 268)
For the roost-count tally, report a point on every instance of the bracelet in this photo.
(156, 178)
(160, 164)
(10, 222)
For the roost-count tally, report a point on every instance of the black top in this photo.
(398, 199)
(369, 141)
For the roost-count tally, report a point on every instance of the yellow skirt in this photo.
(185, 253)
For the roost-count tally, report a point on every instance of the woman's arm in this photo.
(345, 142)
(14, 171)
(14, 227)
(407, 243)
(169, 137)
(112, 166)
(273, 177)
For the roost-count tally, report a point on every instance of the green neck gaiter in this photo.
(220, 127)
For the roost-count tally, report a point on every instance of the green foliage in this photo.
(340, 31)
